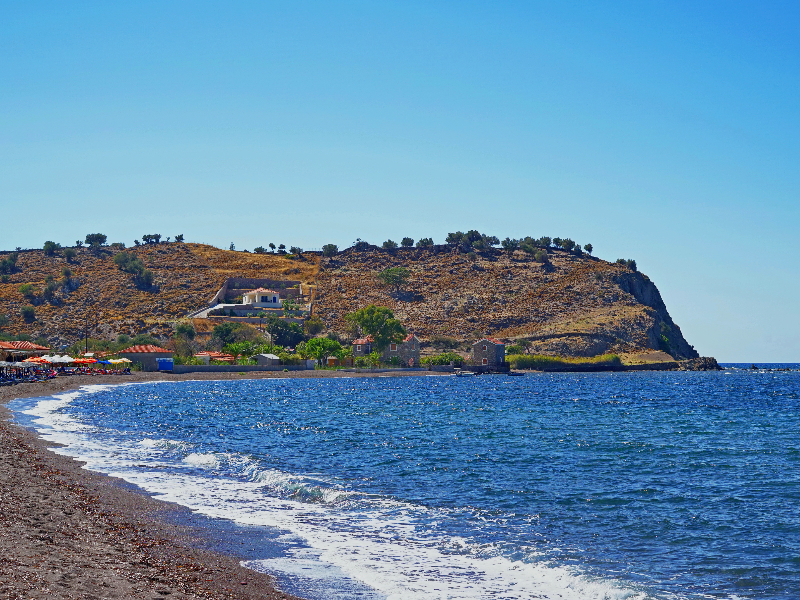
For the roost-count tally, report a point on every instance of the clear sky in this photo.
(667, 132)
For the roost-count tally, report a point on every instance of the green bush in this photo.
(445, 358)
(28, 313)
(3, 320)
(389, 245)
(407, 242)
(330, 250)
(425, 243)
(50, 248)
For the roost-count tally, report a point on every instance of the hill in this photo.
(186, 277)
(573, 305)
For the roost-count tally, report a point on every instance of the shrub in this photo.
(389, 245)
(541, 256)
(361, 246)
(185, 330)
(272, 246)
(3, 321)
(5, 278)
(296, 250)
(510, 244)
(330, 250)
(78, 244)
(28, 313)
(259, 250)
(445, 358)
(630, 263)
(443, 342)
(515, 349)
(395, 277)
(132, 264)
(179, 238)
(9, 263)
(151, 238)
(69, 254)
(27, 290)
(313, 325)
(406, 242)
(50, 248)
(425, 243)
(588, 248)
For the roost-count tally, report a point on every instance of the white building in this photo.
(262, 298)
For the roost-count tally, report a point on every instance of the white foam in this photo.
(209, 461)
(390, 546)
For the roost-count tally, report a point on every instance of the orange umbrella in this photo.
(35, 359)
(85, 361)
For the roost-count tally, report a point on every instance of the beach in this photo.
(69, 533)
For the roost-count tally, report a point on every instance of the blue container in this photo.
(164, 364)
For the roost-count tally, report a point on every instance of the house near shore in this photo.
(262, 298)
(17, 351)
(145, 355)
(206, 356)
(405, 353)
(489, 352)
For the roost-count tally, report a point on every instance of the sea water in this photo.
(549, 486)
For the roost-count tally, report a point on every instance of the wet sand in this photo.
(66, 532)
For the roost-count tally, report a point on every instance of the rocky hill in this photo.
(573, 305)
(186, 277)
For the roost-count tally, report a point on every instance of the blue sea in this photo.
(637, 485)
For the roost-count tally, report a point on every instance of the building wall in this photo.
(364, 350)
(146, 359)
(405, 352)
(495, 354)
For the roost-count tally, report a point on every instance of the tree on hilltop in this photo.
(95, 240)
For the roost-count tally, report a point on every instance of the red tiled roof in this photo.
(22, 346)
(215, 355)
(408, 337)
(262, 290)
(488, 339)
(366, 340)
(143, 349)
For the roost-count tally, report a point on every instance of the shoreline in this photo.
(67, 532)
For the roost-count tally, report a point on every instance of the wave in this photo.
(396, 550)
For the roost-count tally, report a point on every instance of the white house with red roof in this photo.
(262, 298)
(145, 355)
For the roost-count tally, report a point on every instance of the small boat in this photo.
(460, 373)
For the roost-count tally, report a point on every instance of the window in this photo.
(484, 347)
(275, 299)
(358, 347)
(265, 298)
(486, 361)
(393, 348)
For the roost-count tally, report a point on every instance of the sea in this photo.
(639, 485)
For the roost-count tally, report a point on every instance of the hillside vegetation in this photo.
(570, 305)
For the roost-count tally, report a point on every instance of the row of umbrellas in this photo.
(56, 359)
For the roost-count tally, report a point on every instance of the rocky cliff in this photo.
(576, 305)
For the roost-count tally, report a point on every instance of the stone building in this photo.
(145, 355)
(406, 352)
(489, 352)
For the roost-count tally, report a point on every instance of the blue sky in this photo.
(667, 132)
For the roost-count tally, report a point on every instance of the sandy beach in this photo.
(68, 533)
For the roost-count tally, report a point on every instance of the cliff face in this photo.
(577, 306)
